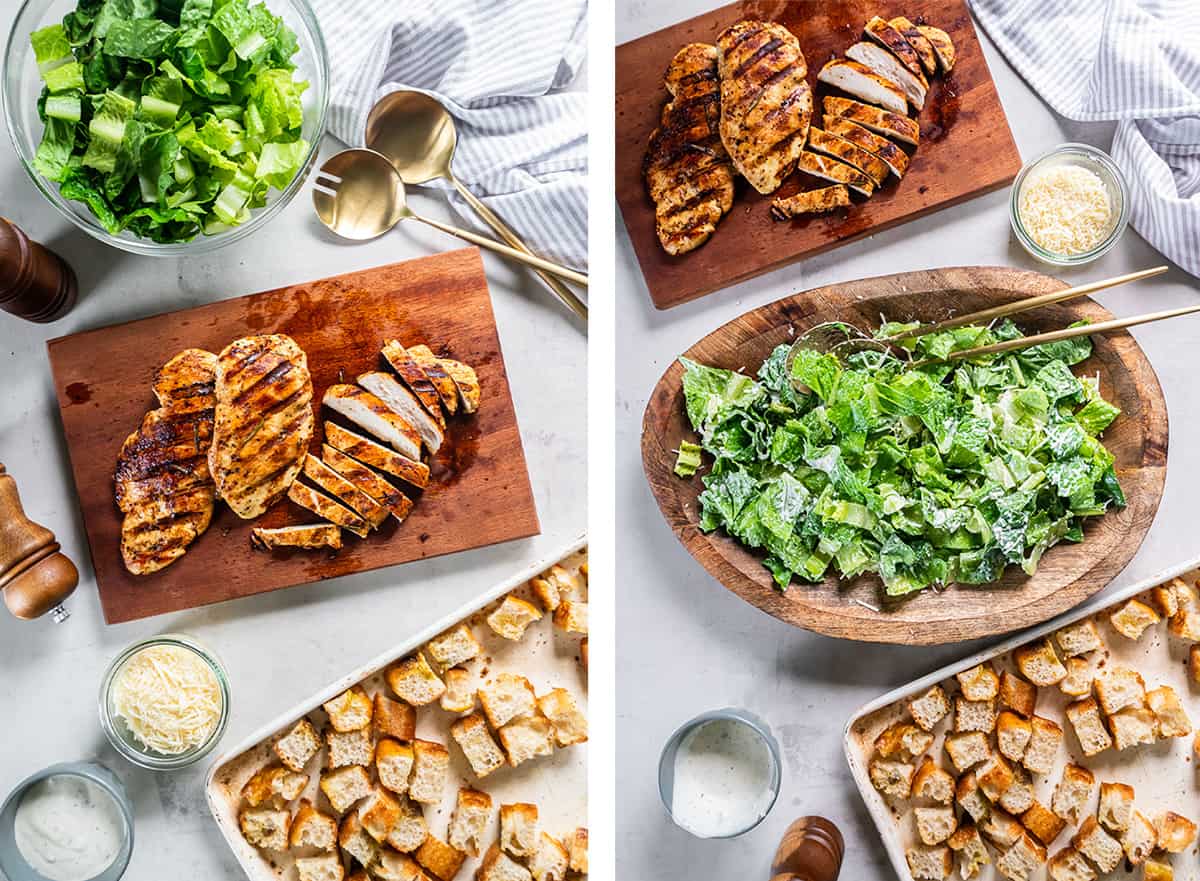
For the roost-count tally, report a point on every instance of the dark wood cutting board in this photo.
(966, 147)
(1068, 573)
(479, 493)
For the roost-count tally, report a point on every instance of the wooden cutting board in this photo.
(966, 147)
(1068, 573)
(479, 493)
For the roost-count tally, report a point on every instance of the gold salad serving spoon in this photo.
(359, 195)
(417, 135)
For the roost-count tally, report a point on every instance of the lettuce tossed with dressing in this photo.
(169, 118)
(948, 472)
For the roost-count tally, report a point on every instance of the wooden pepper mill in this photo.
(35, 577)
(811, 850)
(35, 283)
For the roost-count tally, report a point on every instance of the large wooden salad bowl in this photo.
(1068, 573)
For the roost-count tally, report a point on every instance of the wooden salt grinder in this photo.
(811, 850)
(35, 283)
(35, 577)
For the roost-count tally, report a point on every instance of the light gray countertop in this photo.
(686, 645)
(281, 647)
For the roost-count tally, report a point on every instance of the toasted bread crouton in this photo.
(1097, 845)
(1078, 638)
(311, 828)
(472, 812)
(1172, 717)
(1039, 663)
(346, 786)
(1133, 727)
(296, 748)
(1164, 600)
(980, 683)
(1194, 664)
(275, 784)
(893, 779)
(1132, 619)
(971, 798)
(546, 592)
(1185, 624)
(414, 681)
(526, 738)
(1022, 859)
(1070, 865)
(935, 825)
(577, 849)
(506, 697)
(1043, 746)
(392, 865)
(1175, 833)
(1001, 829)
(499, 866)
(410, 830)
(349, 747)
(1043, 823)
(1140, 839)
(972, 855)
(356, 841)
(571, 616)
(519, 829)
(439, 858)
(995, 775)
(323, 868)
(1018, 798)
(1116, 806)
(1155, 871)
(1012, 735)
(967, 750)
(456, 646)
(974, 715)
(393, 763)
(1017, 694)
(379, 813)
(1084, 716)
(930, 708)
(394, 719)
(1073, 792)
(554, 586)
(459, 696)
(473, 738)
(583, 653)
(933, 783)
(266, 828)
(431, 764)
(551, 860)
(1079, 678)
(350, 710)
(929, 863)
(570, 724)
(902, 740)
(512, 616)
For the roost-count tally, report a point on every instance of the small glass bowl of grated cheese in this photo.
(164, 702)
(1070, 205)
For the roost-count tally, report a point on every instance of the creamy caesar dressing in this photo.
(68, 828)
(722, 782)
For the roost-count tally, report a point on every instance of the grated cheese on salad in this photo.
(1066, 209)
(169, 699)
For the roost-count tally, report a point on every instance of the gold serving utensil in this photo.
(417, 135)
(359, 195)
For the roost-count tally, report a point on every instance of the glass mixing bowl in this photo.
(23, 85)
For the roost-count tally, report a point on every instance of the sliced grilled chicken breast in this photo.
(405, 405)
(686, 169)
(811, 202)
(344, 491)
(918, 41)
(467, 382)
(437, 374)
(832, 170)
(309, 537)
(370, 453)
(860, 81)
(263, 421)
(323, 506)
(374, 416)
(839, 148)
(415, 378)
(892, 125)
(766, 102)
(943, 48)
(895, 158)
(884, 63)
(397, 503)
(893, 41)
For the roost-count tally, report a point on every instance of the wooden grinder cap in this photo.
(35, 577)
(811, 850)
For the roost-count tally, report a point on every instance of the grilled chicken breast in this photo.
(466, 381)
(892, 125)
(415, 378)
(832, 170)
(161, 481)
(884, 63)
(309, 537)
(405, 405)
(811, 202)
(860, 81)
(263, 421)
(367, 481)
(686, 169)
(839, 148)
(437, 375)
(943, 48)
(893, 41)
(918, 41)
(766, 102)
(374, 416)
(370, 453)
(895, 158)
(344, 491)
(323, 506)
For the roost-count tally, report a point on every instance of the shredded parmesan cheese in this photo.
(169, 698)
(1066, 209)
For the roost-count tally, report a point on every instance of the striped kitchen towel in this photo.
(500, 67)
(1134, 61)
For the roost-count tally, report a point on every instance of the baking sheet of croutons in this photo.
(1161, 773)
(551, 654)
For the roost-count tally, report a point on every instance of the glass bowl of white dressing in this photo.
(69, 822)
(719, 774)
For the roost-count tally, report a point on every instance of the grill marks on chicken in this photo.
(811, 202)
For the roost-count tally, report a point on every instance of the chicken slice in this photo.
(367, 481)
(309, 537)
(839, 148)
(892, 125)
(942, 46)
(811, 202)
(918, 41)
(859, 80)
(437, 374)
(415, 378)
(895, 158)
(344, 491)
(832, 170)
(893, 41)
(405, 405)
(370, 453)
(323, 506)
(467, 382)
(373, 415)
(884, 63)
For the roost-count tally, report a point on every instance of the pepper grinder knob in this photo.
(811, 850)
(35, 576)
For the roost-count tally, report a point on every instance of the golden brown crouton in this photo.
(512, 616)
(933, 783)
(930, 708)
(414, 681)
(1043, 823)
(1175, 833)
(980, 683)
(1084, 716)
(350, 710)
(1172, 717)
(1079, 638)
(902, 740)
(1132, 619)
(439, 858)
(1017, 694)
(1039, 663)
(394, 719)
(1073, 792)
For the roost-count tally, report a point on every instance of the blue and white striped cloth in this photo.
(1134, 61)
(499, 66)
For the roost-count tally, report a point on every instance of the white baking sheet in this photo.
(1163, 775)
